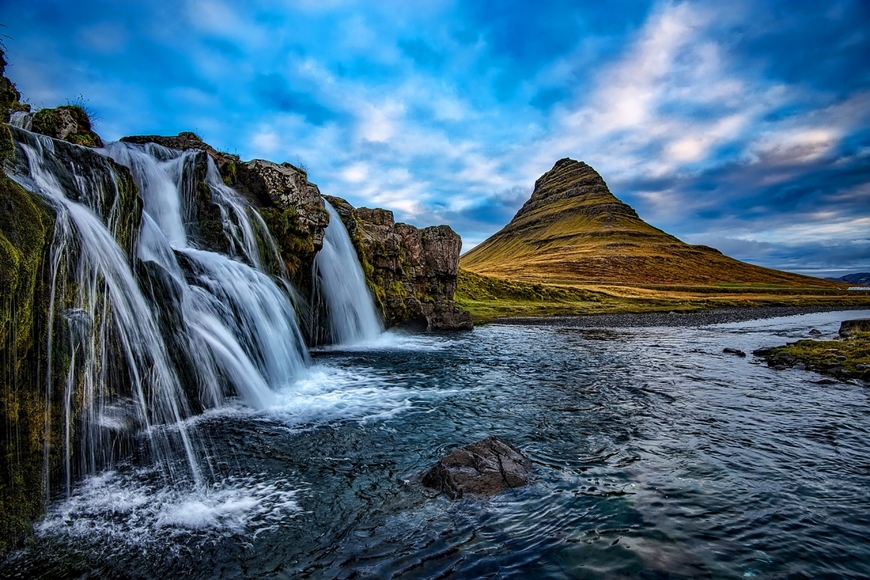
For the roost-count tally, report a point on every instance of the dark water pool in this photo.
(656, 456)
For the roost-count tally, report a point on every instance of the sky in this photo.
(741, 125)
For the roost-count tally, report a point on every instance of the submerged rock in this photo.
(734, 351)
(486, 467)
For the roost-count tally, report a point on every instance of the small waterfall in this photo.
(119, 375)
(340, 282)
(146, 327)
(21, 119)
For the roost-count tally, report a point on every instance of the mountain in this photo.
(573, 229)
(859, 278)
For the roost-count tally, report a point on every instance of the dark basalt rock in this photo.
(484, 468)
(412, 272)
(850, 327)
(734, 351)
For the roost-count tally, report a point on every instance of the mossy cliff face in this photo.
(412, 272)
(288, 203)
(25, 234)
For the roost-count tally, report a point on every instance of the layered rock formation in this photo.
(412, 272)
(574, 229)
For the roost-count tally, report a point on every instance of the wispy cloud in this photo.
(744, 126)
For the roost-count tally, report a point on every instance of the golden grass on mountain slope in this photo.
(574, 248)
(487, 297)
(573, 230)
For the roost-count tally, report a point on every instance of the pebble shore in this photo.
(695, 318)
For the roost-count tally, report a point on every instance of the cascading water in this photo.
(156, 328)
(339, 280)
(111, 326)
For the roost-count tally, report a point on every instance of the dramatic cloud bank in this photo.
(741, 125)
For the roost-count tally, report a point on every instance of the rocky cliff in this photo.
(412, 272)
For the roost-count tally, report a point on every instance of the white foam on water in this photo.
(393, 340)
(326, 393)
(135, 509)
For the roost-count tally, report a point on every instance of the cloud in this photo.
(721, 124)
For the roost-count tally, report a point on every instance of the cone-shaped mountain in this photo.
(573, 229)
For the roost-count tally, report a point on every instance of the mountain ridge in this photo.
(573, 229)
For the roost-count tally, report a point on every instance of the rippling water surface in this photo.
(656, 455)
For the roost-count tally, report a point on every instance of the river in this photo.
(655, 455)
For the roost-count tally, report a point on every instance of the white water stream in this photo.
(340, 281)
(155, 337)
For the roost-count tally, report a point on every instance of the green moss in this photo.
(229, 173)
(25, 230)
(849, 358)
(295, 245)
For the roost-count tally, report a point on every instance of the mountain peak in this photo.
(573, 228)
(573, 187)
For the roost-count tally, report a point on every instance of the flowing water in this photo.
(655, 456)
(159, 336)
(339, 281)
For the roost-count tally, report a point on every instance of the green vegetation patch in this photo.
(847, 359)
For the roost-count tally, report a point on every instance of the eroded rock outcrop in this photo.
(412, 272)
(67, 123)
(484, 468)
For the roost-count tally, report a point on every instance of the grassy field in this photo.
(488, 297)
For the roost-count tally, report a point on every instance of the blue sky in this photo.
(740, 125)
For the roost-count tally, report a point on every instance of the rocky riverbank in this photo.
(845, 358)
(693, 318)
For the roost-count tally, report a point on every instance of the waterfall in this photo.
(340, 282)
(147, 325)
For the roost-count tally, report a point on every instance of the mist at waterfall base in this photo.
(204, 440)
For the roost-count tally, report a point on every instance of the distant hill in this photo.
(859, 278)
(573, 229)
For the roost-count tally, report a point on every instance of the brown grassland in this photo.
(574, 248)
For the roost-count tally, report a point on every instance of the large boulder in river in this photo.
(485, 468)
(850, 327)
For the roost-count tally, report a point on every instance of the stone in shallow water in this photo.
(485, 467)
